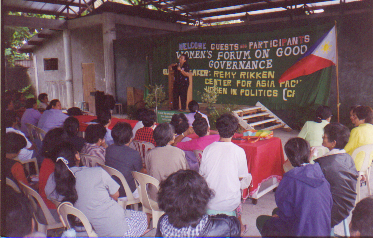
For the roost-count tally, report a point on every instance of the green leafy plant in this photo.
(156, 96)
(215, 114)
(210, 96)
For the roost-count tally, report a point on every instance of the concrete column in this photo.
(109, 34)
(68, 68)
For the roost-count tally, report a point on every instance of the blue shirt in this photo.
(52, 118)
(31, 116)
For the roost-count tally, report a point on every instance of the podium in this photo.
(171, 79)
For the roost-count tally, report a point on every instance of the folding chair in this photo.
(365, 168)
(13, 184)
(91, 160)
(26, 164)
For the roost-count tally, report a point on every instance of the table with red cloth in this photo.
(83, 119)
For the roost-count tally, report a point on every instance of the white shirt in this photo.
(223, 163)
(190, 117)
(137, 126)
(25, 153)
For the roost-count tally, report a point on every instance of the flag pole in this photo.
(336, 52)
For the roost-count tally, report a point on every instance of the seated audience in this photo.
(183, 196)
(18, 219)
(71, 127)
(95, 141)
(339, 169)
(53, 117)
(122, 158)
(93, 192)
(14, 142)
(194, 108)
(140, 115)
(312, 131)
(362, 219)
(51, 141)
(303, 198)
(104, 118)
(10, 122)
(223, 165)
(31, 115)
(146, 133)
(164, 159)
(181, 125)
(362, 134)
(43, 98)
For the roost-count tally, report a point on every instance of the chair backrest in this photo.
(66, 208)
(13, 184)
(141, 182)
(113, 172)
(367, 149)
(320, 150)
(90, 160)
(40, 133)
(30, 130)
(198, 154)
(35, 197)
(142, 147)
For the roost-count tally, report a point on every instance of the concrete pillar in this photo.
(109, 34)
(68, 68)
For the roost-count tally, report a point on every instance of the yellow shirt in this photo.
(361, 135)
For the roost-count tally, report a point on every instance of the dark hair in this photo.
(95, 132)
(65, 180)
(362, 217)
(338, 133)
(74, 111)
(52, 139)
(42, 96)
(10, 118)
(52, 103)
(184, 196)
(18, 214)
(298, 151)
(186, 57)
(14, 142)
(352, 108)
(71, 126)
(193, 106)
(322, 113)
(200, 125)
(141, 113)
(227, 125)
(30, 102)
(104, 118)
(121, 133)
(163, 134)
(180, 123)
(364, 113)
(149, 118)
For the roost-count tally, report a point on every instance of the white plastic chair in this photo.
(13, 184)
(66, 208)
(365, 168)
(37, 200)
(40, 133)
(320, 150)
(198, 154)
(91, 160)
(26, 164)
(142, 147)
(130, 199)
(148, 205)
(30, 130)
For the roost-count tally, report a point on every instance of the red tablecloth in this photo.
(86, 118)
(265, 159)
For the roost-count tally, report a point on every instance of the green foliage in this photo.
(156, 96)
(210, 96)
(215, 114)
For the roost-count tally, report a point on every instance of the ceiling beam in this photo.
(59, 2)
(34, 42)
(36, 11)
(203, 5)
(45, 36)
(34, 22)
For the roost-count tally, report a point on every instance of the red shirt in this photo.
(47, 167)
(145, 134)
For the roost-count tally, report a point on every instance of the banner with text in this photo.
(246, 67)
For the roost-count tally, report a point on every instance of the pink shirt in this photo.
(198, 143)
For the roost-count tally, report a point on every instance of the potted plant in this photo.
(156, 97)
(210, 96)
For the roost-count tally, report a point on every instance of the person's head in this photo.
(200, 125)
(52, 139)
(104, 118)
(323, 113)
(164, 134)
(183, 58)
(149, 118)
(193, 106)
(9, 104)
(14, 142)
(71, 126)
(298, 151)
(95, 134)
(66, 156)
(10, 119)
(227, 125)
(184, 196)
(141, 113)
(31, 103)
(122, 133)
(364, 114)
(18, 214)
(351, 113)
(54, 104)
(336, 136)
(43, 97)
(180, 123)
(362, 218)
(74, 111)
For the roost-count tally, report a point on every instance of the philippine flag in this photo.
(319, 56)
